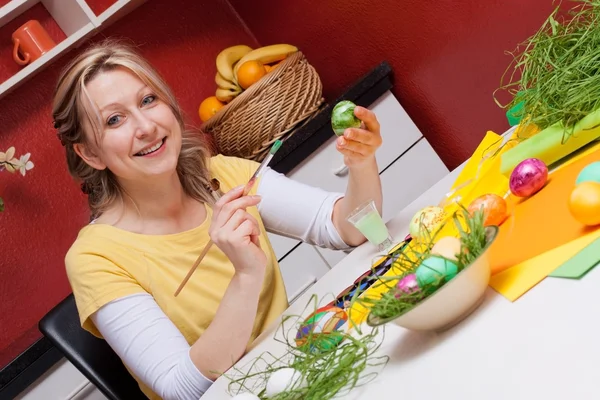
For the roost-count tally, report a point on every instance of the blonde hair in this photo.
(72, 110)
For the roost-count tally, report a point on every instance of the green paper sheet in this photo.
(581, 263)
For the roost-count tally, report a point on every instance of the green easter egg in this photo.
(342, 117)
(435, 269)
(591, 173)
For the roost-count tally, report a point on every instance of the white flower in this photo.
(24, 164)
(6, 157)
(9, 167)
(8, 161)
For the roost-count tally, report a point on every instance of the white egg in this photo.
(246, 396)
(285, 379)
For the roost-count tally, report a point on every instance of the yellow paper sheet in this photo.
(480, 176)
(516, 281)
(490, 143)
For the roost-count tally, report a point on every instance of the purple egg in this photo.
(408, 284)
(528, 177)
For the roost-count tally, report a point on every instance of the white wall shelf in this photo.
(33, 68)
(15, 8)
(70, 15)
(74, 17)
(88, 11)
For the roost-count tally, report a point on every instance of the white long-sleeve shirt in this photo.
(152, 346)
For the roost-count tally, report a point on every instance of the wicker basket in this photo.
(268, 110)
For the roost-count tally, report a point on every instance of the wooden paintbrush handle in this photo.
(191, 271)
(247, 189)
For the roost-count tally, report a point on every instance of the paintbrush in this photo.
(247, 190)
(262, 166)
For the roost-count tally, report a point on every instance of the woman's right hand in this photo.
(236, 232)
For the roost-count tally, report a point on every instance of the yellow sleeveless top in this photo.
(106, 263)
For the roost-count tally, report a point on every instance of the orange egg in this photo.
(494, 208)
(584, 203)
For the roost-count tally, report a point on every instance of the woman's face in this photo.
(141, 137)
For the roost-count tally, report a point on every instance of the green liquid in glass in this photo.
(372, 226)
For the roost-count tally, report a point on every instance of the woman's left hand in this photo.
(358, 145)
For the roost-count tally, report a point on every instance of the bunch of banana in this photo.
(266, 55)
(227, 87)
(226, 90)
(230, 59)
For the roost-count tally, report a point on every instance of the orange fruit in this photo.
(209, 107)
(277, 64)
(584, 203)
(250, 72)
(268, 68)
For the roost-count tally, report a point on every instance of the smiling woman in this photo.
(125, 91)
(154, 210)
(131, 130)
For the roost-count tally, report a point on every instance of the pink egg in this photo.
(408, 284)
(528, 177)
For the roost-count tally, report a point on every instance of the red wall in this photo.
(447, 55)
(45, 209)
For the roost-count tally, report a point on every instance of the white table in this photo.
(544, 346)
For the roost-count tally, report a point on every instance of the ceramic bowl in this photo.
(451, 303)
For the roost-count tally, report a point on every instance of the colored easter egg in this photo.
(591, 173)
(584, 203)
(429, 219)
(408, 285)
(448, 247)
(342, 117)
(494, 208)
(316, 331)
(434, 270)
(528, 177)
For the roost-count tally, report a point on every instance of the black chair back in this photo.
(93, 357)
